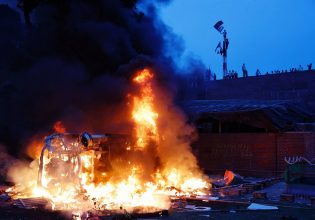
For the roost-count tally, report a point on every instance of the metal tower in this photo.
(222, 50)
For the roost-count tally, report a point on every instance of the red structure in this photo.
(251, 137)
(252, 154)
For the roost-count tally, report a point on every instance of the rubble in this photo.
(4, 197)
(260, 195)
(232, 178)
(31, 203)
(197, 208)
(252, 195)
(287, 198)
(255, 206)
(206, 205)
(229, 178)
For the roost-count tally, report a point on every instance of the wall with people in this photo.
(296, 86)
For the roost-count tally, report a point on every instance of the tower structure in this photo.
(222, 48)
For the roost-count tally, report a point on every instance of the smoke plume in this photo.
(74, 65)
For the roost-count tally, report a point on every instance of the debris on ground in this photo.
(255, 206)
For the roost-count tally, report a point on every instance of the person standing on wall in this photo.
(309, 66)
(258, 72)
(245, 73)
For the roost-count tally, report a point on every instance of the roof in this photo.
(278, 115)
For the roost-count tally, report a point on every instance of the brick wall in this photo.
(256, 154)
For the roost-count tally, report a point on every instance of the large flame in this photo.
(166, 167)
(143, 112)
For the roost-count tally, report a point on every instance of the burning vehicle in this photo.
(66, 150)
(140, 172)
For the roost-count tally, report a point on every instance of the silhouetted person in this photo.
(208, 75)
(245, 74)
(300, 68)
(229, 74)
(258, 73)
(214, 76)
(232, 74)
(309, 66)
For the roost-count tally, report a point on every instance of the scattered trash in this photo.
(197, 208)
(231, 178)
(218, 183)
(190, 206)
(233, 192)
(256, 206)
(202, 208)
(4, 197)
(287, 198)
(260, 195)
(208, 197)
(31, 203)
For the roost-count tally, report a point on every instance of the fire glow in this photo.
(143, 113)
(158, 165)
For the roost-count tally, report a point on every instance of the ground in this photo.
(226, 207)
(281, 214)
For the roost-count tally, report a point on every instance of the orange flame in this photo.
(59, 127)
(143, 76)
(34, 149)
(143, 112)
(124, 186)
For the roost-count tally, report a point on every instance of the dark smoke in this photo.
(74, 64)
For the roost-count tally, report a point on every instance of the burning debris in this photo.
(137, 173)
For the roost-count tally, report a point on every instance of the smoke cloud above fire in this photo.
(74, 65)
(101, 66)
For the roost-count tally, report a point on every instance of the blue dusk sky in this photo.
(264, 34)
